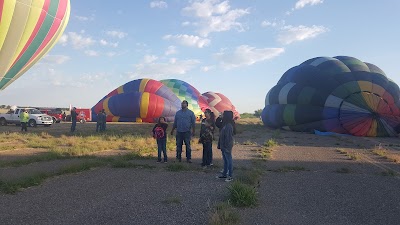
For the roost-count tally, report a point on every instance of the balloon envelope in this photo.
(28, 30)
(340, 94)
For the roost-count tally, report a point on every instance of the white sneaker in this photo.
(229, 179)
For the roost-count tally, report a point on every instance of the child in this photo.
(160, 134)
(225, 143)
(207, 136)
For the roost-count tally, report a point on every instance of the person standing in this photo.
(103, 126)
(160, 134)
(99, 123)
(24, 118)
(184, 123)
(225, 143)
(74, 116)
(207, 136)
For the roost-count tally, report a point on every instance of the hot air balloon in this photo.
(340, 94)
(218, 103)
(187, 92)
(142, 100)
(28, 30)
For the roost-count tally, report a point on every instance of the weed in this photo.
(276, 134)
(271, 143)
(248, 142)
(223, 214)
(251, 177)
(380, 152)
(242, 195)
(290, 169)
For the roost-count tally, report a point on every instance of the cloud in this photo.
(215, 16)
(158, 4)
(55, 59)
(171, 50)
(245, 55)
(116, 34)
(289, 34)
(106, 43)
(189, 40)
(85, 18)
(266, 23)
(303, 3)
(78, 41)
(150, 67)
(91, 53)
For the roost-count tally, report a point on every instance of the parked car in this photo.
(56, 114)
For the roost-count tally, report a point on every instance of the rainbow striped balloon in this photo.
(28, 30)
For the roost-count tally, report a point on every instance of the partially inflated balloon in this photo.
(187, 92)
(139, 100)
(28, 30)
(218, 103)
(340, 94)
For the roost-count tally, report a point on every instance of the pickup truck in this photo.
(35, 117)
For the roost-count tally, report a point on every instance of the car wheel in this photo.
(3, 122)
(32, 123)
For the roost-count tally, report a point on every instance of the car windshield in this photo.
(34, 111)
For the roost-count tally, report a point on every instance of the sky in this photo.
(237, 48)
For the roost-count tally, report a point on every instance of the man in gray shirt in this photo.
(184, 123)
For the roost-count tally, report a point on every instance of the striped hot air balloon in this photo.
(141, 100)
(340, 94)
(28, 30)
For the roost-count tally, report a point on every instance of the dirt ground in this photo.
(308, 179)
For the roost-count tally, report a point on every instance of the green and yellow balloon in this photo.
(28, 30)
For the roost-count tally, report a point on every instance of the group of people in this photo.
(101, 121)
(184, 124)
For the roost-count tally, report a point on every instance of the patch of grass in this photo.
(354, 156)
(172, 200)
(48, 156)
(389, 173)
(248, 142)
(223, 214)
(380, 152)
(176, 167)
(242, 195)
(271, 143)
(343, 170)
(125, 164)
(290, 169)
(276, 134)
(11, 187)
(251, 177)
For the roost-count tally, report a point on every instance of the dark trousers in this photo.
(24, 126)
(207, 154)
(162, 147)
(73, 125)
(180, 138)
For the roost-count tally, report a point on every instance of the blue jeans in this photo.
(99, 127)
(207, 154)
(162, 147)
(180, 138)
(73, 125)
(228, 164)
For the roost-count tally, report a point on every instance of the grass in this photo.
(290, 169)
(176, 167)
(242, 195)
(11, 187)
(250, 177)
(271, 143)
(349, 155)
(224, 214)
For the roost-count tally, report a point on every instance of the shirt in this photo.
(184, 120)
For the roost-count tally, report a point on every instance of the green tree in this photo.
(258, 112)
